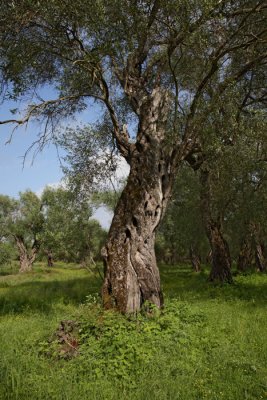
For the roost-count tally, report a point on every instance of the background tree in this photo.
(181, 234)
(7, 252)
(245, 222)
(70, 233)
(151, 63)
(22, 220)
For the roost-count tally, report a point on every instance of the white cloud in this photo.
(103, 216)
(53, 185)
(123, 169)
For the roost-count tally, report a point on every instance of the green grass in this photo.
(208, 343)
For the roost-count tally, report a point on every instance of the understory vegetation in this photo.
(209, 341)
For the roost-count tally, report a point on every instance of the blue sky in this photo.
(14, 177)
(46, 166)
(45, 169)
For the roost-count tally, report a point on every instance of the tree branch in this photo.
(35, 108)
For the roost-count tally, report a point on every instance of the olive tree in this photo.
(22, 221)
(70, 233)
(160, 70)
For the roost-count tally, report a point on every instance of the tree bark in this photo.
(245, 256)
(209, 257)
(131, 272)
(221, 260)
(50, 259)
(26, 260)
(195, 259)
(260, 257)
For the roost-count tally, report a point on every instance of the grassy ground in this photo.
(209, 342)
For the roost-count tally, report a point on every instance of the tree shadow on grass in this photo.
(189, 286)
(177, 282)
(43, 296)
(5, 271)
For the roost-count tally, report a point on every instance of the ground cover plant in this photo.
(209, 342)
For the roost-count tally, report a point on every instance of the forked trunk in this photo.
(131, 272)
(221, 260)
(245, 256)
(26, 260)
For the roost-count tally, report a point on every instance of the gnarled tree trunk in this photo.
(132, 275)
(131, 272)
(26, 259)
(221, 260)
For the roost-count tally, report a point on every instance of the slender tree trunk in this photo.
(50, 259)
(221, 260)
(245, 256)
(209, 257)
(260, 257)
(195, 259)
(26, 260)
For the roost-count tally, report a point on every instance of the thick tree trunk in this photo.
(221, 260)
(245, 256)
(131, 272)
(195, 259)
(26, 260)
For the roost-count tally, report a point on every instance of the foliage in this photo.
(56, 222)
(7, 253)
(90, 161)
(208, 55)
(22, 222)
(182, 225)
(237, 195)
(69, 232)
